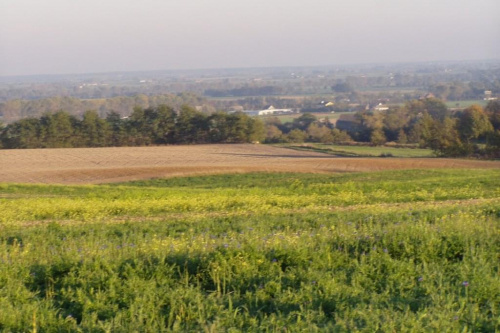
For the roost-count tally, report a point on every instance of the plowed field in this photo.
(105, 165)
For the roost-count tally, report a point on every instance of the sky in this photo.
(88, 36)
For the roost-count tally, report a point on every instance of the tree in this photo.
(57, 130)
(493, 111)
(238, 124)
(191, 126)
(422, 131)
(394, 121)
(402, 138)
(318, 133)
(340, 136)
(445, 139)
(493, 145)
(139, 127)
(473, 123)
(303, 122)
(164, 124)
(296, 136)
(219, 127)
(370, 122)
(94, 130)
(24, 133)
(436, 108)
(118, 135)
(273, 134)
(256, 130)
(377, 138)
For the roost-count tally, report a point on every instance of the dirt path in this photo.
(104, 165)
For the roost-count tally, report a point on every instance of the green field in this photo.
(362, 151)
(288, 118)
(396, 251)
(465, 104)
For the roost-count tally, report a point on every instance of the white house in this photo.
(267, 111)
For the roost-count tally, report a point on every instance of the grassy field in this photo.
(465, 104)
(288, 118)
(393, 251)
(362, 151)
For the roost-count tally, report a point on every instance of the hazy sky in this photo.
(78, 36)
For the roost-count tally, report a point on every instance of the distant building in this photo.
(380, 107)
(488, 96)
(267, 111)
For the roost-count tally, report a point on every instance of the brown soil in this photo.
(105, 165)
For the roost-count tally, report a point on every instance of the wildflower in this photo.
(465, 283)
(274, 260)
(226, 245)
(420, 279)
(386, 251)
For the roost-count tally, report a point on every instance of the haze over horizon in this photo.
(63, 37)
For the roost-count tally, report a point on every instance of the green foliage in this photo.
(390, 251)
(377, 138)
(493, 110)
(303, 122)
(473, 123)
(159, 125)
(94, 130)
(445, 139)
(296, 136)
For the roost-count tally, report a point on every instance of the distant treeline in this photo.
(17, 109)
(244, 91)
(425, 123)
(151, 126)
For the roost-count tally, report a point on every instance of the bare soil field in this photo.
(106, 165)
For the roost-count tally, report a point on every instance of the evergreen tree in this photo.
(95, 131)
(58, 130)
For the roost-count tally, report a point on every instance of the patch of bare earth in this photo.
(106, 165)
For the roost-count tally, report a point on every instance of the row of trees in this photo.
(151, 126)
(430, 124)
(427, 123)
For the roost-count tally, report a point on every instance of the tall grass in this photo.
(393, 251)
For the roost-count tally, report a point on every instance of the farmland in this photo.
(104, 165)
(409, 245)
